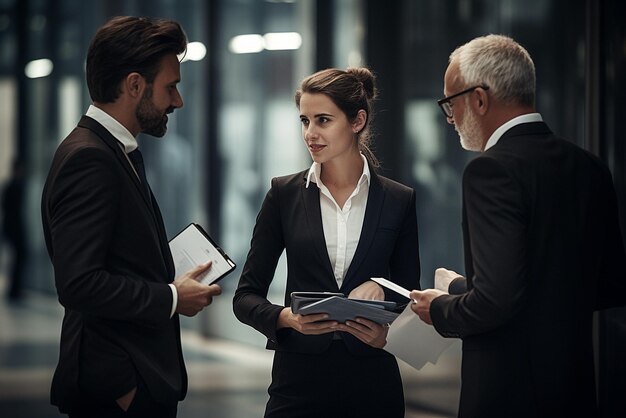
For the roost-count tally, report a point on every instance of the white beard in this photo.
(470, 133)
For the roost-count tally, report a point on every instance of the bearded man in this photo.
(120, 340)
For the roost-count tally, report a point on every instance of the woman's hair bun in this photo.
(367, 78)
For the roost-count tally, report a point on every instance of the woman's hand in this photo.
(367, 331)
(369, 290)
(313, 324)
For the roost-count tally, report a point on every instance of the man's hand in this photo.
(368, 291)
(422, 303)
(313, 324)
(192, 295)
(125, 401)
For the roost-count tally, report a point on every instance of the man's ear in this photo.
(134, 84)
(482, 101)
(359, 121)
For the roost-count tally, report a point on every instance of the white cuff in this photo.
(174, 299)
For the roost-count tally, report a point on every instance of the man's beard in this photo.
(151, 120)
(470, 133)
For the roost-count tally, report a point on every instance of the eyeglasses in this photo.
(445, 105)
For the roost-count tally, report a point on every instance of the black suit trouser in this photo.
(334, 384)
(143, 405)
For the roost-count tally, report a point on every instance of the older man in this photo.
(542, 245)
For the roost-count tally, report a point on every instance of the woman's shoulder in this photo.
(290, 180)
(393, 185)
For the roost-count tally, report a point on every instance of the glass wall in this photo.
(49, 74)
(262, 51)
(239, 126)
(433, 159)
(8, 88)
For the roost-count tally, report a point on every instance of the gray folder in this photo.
(341, 309)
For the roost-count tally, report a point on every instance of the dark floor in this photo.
(226, 379)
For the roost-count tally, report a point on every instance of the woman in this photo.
(340, 224)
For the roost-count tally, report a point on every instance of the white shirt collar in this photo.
(116, 129)
(497, 134)
(316, 170)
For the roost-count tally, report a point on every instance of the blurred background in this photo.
(240, 127)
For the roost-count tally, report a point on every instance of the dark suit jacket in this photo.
(291, 219)
(112, 264)
(542, 252)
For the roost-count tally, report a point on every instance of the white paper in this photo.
(391, 285)
(191, 248)
(414, 341)
(409, 338)
(443, 278)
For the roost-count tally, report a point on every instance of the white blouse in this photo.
(342, 226)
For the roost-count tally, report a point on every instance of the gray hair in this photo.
(500, 63)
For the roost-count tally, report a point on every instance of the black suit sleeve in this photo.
(458, 286)
(495, 217)
(82, 206)
(250, 302)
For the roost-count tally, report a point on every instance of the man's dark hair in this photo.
(128, 44)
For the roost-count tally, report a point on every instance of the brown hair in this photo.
(127, 44)
(350, 90)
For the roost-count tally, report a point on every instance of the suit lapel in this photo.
(107, 138)
(313, 216)
(163, 242)
(373, 210)
(151, 205)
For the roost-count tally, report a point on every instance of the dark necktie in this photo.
(137, 160)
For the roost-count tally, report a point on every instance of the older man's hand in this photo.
(423, 299)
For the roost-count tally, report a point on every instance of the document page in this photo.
(411, 339)
(414, 341)
(192, 247)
